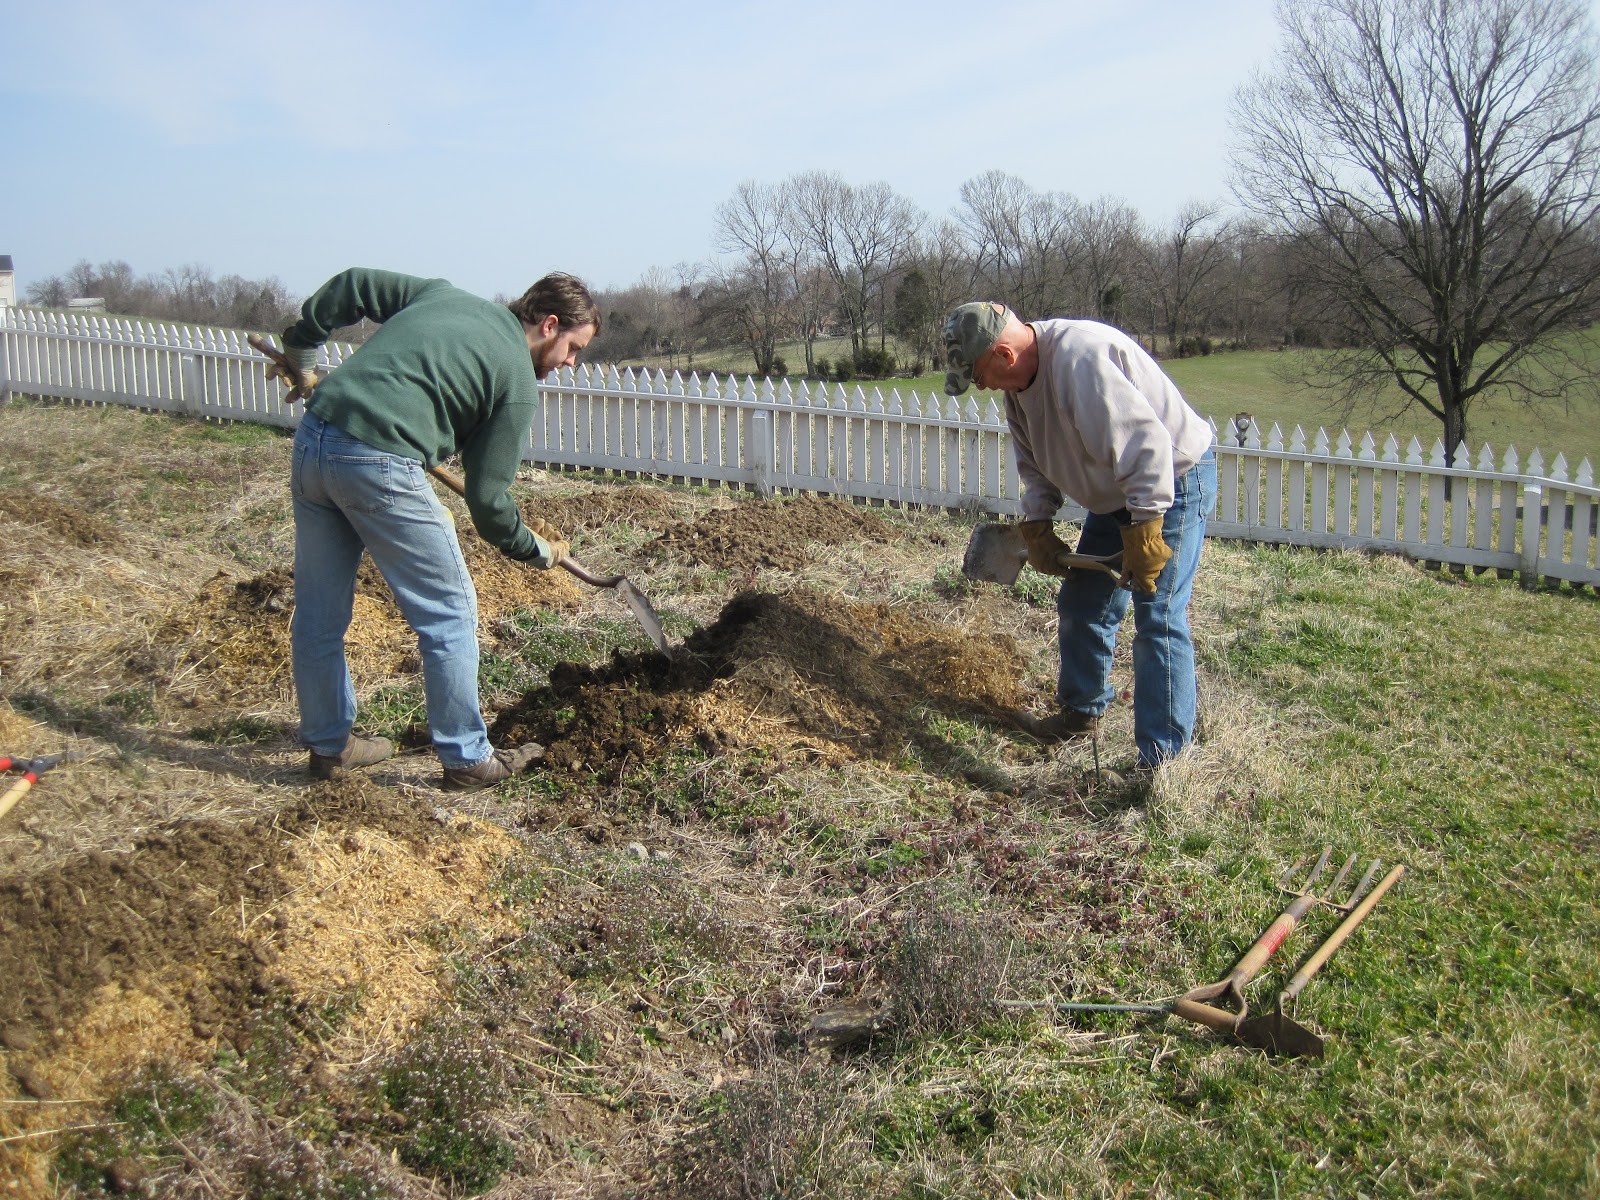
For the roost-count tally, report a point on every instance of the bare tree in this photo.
(1107, 235)
(1181, 265)
(754, 296)
(1022, 240)
(1436, 161)
(861, 235)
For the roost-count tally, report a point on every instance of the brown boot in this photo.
(357, 752)
(1064, 726)
(497, 768)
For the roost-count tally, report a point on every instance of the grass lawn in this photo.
(621, 1008)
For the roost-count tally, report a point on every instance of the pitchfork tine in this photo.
(1333, 888)
(1361, 888)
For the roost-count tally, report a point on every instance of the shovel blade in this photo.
(645, 612)
(1280, 1035)
(995, 554)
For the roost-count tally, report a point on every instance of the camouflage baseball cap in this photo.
(968, 333)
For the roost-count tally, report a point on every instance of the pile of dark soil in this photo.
(772, 534)
(188, 936)
(777, 671)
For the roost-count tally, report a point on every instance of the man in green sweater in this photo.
(446, 373)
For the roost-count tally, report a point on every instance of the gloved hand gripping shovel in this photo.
(996, 553)
(638, 603)
(31, 768)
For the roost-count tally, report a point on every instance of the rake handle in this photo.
(1337, 937)
(1275, 935)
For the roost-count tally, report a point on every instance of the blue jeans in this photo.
(349, 497)
(1092, 607)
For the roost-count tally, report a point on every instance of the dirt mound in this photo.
(635, 504)
(235, 633)
(110, 959)
(772, 534)
(802, 668)
(70, 524)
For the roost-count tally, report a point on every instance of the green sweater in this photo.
(446, 373)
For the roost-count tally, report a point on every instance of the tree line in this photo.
(188, 294)
(1417, 188)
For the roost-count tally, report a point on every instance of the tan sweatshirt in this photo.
(1102, 424)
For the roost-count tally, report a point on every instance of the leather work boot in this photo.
(357, 752)
(497, 768)
(1064, 726)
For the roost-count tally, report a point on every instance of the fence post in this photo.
(1532, 521)
(193, 384)
(761, 451)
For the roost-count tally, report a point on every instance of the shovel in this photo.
(638, 603)
(996, 553)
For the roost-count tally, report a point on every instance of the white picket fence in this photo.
(904, 449)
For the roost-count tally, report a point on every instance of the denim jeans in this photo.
(1092, 607)
(348, 497)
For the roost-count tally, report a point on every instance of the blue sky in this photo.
(489, 141)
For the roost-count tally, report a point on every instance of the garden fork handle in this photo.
(1337, 937)
(1191, 1005)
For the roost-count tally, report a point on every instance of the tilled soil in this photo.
(778, 670)
(771, 534)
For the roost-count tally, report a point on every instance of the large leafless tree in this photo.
(861, 235)
(1436, 162)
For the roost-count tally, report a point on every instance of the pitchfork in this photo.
(1274, 1032)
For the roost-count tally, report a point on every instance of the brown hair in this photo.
(560, 294)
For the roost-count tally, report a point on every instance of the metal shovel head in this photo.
(995, 554)
(639, 604)
(1281, 1035)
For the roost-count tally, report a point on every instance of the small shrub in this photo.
(785, 1131)
(821, 369)
(844, 370)
(874, 364)
(945, 968)
(439, 1091)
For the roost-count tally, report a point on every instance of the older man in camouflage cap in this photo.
(1093, 417)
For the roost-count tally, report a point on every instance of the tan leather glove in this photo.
(551, 536)
(1044, 547)
(1144, 553)
(301, 381)
(296, 367)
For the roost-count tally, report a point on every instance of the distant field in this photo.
(1221, 385)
